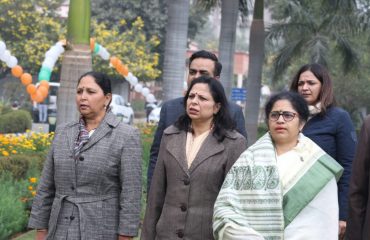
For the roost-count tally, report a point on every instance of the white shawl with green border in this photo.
(252, 198)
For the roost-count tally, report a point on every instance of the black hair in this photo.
(102, 80)
(299, 104)
(222, 120)
(207, 55)
(326, 95)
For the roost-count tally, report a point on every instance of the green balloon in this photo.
(96, 48)
(44, 74)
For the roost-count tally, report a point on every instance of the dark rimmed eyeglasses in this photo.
(287, 116)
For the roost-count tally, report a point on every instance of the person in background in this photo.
(281, 187)
(328, 126)
(15, 105)
(201, 63)
(90, 187)
(43, 110)
(194, 157)
(358, 224)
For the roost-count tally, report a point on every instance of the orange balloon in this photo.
(92, 44)
(37, 97)
(26, 79)
(121, 68)
(125, 70)
(45, 84)
(31, 89)
(17, 71)
(114, 61)
(43, 91)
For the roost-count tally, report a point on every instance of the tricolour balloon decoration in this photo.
(37, 94)
(122, 69)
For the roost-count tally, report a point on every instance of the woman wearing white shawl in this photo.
(283, 186)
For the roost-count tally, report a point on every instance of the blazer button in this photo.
(82, 158)
(186, 181)
(180, 233)
(71, 217)
(73, 188)
(183, 208)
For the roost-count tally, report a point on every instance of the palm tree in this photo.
(76, 60)
(314, 31)
(226, 48)
(256, 57)
(175, 48)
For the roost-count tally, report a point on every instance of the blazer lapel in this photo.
(103, 129)
(209, 148)
(72, 134)
(176, 147)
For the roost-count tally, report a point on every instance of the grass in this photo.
(30, 235)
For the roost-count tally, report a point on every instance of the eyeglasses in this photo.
(287, 116)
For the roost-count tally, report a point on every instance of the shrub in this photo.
(147, 133)
(19, 165)
(262, 129)
(17, 121)
(13, 217)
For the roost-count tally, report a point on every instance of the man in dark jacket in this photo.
(201, 63)
(358, 224)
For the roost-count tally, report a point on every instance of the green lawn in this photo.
(27, 236)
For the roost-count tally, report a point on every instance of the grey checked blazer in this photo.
(95, 195)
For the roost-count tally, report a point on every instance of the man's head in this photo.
(203, 63)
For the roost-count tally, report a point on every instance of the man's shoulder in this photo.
(234, 107)
(173, 102)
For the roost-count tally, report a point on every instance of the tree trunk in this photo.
(256, 57)
(78, 31)
(75, 63)
(175, 48)
(76, 60)
(229, 17)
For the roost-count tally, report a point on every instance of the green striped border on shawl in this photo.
(309, 185)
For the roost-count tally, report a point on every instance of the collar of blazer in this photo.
(176, 147)
(109, 121)
(174, 130)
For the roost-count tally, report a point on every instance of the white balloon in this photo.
(145, 91)
(48, 62)
(103, 53)
(52, 53)
(138, 87)
(150, 98)
(6, 55)
(2, 47)
(129, 77)
(134, 81)
(60, 43)
(12, 62)
(59, 48)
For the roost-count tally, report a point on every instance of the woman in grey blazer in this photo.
(90, 186)
(194, 157)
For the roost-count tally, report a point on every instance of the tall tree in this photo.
(175, 48)
(256, 59)
(314, 31)
(226, 49)
(76, 60)
(25, 41)
(229, 17)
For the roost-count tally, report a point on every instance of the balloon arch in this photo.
(38, 94)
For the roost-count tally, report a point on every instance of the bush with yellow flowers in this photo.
(11, 144)
(21, 153)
